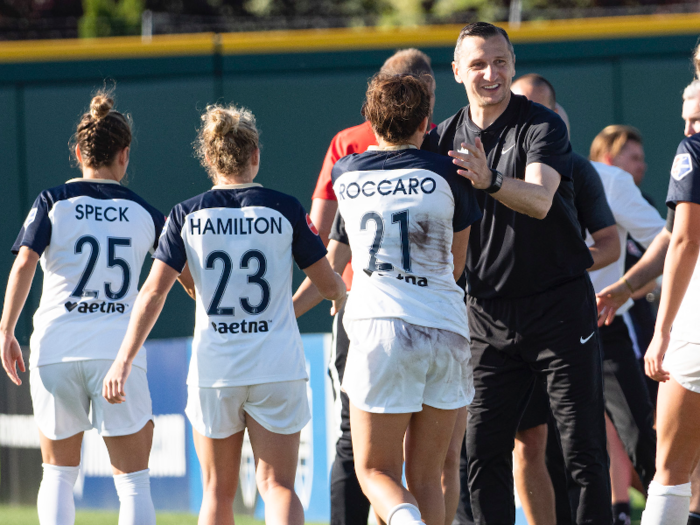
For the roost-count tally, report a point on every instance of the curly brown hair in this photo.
(102, 133)
(395, 105)
(226, 140)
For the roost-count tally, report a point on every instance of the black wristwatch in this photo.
(496, 182)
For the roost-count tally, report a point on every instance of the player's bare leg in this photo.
(276, 457)
(220, 460)
(129, 457)
(61, 452)
(55, 503)
(426, 449)
(377, 443)
(677, 455)
(532, 477)
(450, 472)
(620, 474)
(130, 453)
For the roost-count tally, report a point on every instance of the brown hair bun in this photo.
(100, 106)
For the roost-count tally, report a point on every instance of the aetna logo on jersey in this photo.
(93, 308)
(240, 226)
(411, 186)
(244, 327)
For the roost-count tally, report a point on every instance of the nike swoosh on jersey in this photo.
(503, 152)
(584, 341)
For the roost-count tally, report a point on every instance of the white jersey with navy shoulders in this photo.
(240, 242)
(684, 186)
(93, 236)
(398, 209)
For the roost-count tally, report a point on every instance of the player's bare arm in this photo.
(460, 242)
(147, 308)
(18, 286)
(308, 295)
(605, 249)
(649, 267)
(682, 255)
(532, 196)
(322, 214)
(187, 282)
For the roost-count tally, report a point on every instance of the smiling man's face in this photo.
(486, 67)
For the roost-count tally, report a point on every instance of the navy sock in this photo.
(621, 513)
(694, 518)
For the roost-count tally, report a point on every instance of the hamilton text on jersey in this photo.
(387, 187)
(241, 226)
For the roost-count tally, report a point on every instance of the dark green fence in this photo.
(301, 100)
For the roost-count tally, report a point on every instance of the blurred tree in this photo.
(110, 18)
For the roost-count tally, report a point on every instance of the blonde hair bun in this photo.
(221, 121)
(226, 140)
(100, 106)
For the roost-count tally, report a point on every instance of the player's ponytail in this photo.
(226, 140)
(395, 105)
(102, 133)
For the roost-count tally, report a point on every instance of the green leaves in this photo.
(110, 18)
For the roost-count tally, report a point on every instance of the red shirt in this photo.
(351, 140)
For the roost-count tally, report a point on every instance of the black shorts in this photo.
(537, 411)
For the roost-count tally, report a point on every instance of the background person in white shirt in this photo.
(630, 412)
(622, 146)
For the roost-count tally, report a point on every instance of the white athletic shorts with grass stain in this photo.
(67, 399)
(682, 360)
(395, 367)
(219, 412)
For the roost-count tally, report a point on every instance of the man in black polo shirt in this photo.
(531, 304)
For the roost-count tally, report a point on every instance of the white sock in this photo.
(404, 514)
(667, 505)
(136, 505)
(55, 503)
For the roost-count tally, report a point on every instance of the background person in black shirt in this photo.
(532, 446)
(531, 304)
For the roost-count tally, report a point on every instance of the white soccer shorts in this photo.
(67, 399)
(281, 407)
(396, 367)
(682, 360)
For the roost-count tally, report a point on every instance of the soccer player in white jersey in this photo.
(239, 241)
(91, 236)
(673, 357)
(405, 215)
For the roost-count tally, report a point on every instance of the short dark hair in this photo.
(409, 61)
(482, 30)
(539, 81)
(395, 105)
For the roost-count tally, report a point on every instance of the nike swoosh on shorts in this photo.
(584, 341)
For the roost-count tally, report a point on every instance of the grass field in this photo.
(28, 516)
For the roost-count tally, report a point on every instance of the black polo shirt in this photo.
(592, 206)
(511, 254)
